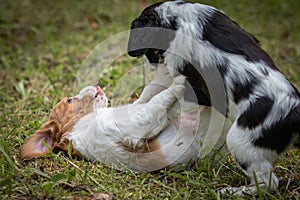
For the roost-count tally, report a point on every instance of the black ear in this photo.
(138, 40)
(141, 35)
(149, 36)
(149, 41)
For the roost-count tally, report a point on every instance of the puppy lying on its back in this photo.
(142, 136)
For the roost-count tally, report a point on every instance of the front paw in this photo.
(235, 191)
(179, 80)
(178, 86)
(178, 90)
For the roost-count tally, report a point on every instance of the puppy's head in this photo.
(61, 121)
(150, 35)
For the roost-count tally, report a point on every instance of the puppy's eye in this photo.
(70, 100)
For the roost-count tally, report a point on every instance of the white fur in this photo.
(97, 136)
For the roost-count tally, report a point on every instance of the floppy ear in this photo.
(150, 37)
(141, 37)
(139, 40)
(34, 147)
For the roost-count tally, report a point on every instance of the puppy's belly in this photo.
(179, 141)
(182, 142)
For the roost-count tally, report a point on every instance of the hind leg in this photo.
(256, 162)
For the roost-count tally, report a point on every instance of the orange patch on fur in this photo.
(61, 121)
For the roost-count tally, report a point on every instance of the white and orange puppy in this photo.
(144, 136)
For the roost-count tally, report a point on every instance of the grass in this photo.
(43, 45)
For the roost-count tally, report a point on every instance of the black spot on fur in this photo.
(227, 35)
(243, 91)
(223, 67)
(182, 2)
(205, 90)
(172, 24)
(244, 165)
(279, 136)
(264, 71)
(256, 113)
(195, 90)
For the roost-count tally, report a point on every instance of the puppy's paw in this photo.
(178, 90)
(62, 145)
(178, 85)
(179, 80)
(239, 191)
(232, 191)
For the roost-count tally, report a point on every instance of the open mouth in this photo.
(99, 91)
(101, 97)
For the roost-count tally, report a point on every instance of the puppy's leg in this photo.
(161, 81)
(153, 117)
(256, 162)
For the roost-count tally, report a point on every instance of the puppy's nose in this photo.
(99, 90)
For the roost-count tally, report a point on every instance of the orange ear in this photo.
(34, 147)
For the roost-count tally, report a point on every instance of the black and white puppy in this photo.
(200, 42)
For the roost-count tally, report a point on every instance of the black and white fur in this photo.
(262, 104)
